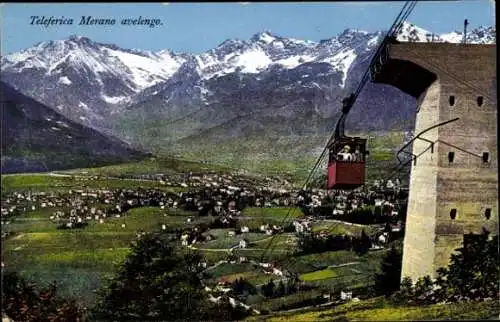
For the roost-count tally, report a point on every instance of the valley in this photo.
(210, 213)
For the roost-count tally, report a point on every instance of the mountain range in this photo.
(266, 88)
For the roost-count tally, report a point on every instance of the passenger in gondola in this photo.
(358, 157)
(332, 156)
(344, 155)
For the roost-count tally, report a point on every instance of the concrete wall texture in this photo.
(467, 184)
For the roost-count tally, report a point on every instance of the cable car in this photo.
(346, 163)
(347, 155)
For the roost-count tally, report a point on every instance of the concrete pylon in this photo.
(454, 180)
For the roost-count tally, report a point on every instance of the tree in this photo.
(471, 275)
(156, 283)
(243, 287)
(423, 290)
(21, 302)
(223, 310)
(268, 289)
(388, 281)
(291, 285)
(473, 271)
(363, 244)
(281, 291)
(406, 289)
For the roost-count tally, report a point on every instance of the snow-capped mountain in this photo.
(264, 50)
(481, 35)
(85, 80)
(173, 96)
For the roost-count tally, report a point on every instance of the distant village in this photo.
(223, 198)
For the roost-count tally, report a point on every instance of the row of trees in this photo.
(312, 243)
(243, 288)
(363, 216)
(271, 290)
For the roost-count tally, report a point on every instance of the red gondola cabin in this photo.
(346, 165)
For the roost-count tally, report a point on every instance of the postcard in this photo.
(307, 161)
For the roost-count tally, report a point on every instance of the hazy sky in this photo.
(196, 27)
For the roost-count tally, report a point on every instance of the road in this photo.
(341, 265)
(344, 223)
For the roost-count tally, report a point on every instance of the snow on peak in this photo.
(114, 99)
(481, 35)
(302, 42)
(342, 61)
(354, 31)
(64, 80)
(138, 69)
(117, 74)
(411, 33)
(350, 34)
(253, 61)
(265, 37)
(452, 37)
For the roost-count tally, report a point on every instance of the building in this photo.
(243, 243)
(454, 176)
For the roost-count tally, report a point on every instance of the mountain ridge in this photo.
(153, 99)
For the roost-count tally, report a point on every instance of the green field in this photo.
(318, 275)
(343, 228)
(280, 213)
(224, 241)
(47, 182)
(154, 165)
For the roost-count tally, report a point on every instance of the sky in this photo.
(197, 27)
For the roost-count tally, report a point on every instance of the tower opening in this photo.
(453, 213)
(486, 157)
(452, 100)
(479, 101)
(487, 213)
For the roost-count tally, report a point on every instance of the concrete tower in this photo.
(454, 179)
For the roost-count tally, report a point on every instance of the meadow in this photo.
(54, 182)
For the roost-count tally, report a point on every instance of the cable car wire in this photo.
(401, 166)
(349, 102)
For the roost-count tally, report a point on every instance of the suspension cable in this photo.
(348, 103)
